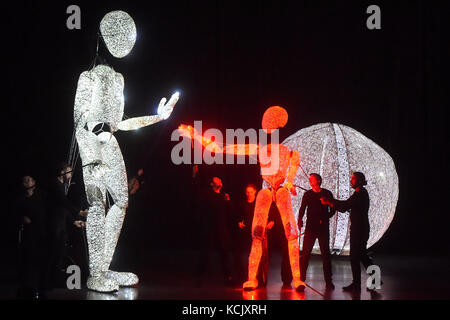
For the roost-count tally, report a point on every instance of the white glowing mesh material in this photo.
(335, 151)
(119, 33)
(99, 100)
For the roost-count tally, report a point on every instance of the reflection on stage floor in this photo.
(404, 277)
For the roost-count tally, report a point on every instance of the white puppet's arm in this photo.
(164, 112)
(87, 141)
(83, 99)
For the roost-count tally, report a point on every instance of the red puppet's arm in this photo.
(237, 149)
(295, 163)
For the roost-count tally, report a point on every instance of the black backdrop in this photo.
(231, 60)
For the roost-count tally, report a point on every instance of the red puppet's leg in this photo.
(262, 206)
(283, 200)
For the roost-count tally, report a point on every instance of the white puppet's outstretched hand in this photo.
(164, 112)
(165, 109)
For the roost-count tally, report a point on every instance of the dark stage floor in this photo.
(404, 277)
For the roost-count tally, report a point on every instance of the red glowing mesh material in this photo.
(288, 163)
(275, 117)
(262, 207)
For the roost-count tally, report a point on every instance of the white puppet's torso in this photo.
(103, 95)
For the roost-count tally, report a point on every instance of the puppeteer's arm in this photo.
(164, 112)
(338, 205)
(301, 211)
(342, 205)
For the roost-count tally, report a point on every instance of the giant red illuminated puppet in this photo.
(279, 166)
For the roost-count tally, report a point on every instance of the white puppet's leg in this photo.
(117, 186)
(95, 231)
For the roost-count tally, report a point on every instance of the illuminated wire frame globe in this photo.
(335, 151)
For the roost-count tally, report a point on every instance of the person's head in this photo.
(216, 184)
(28, 182)
(250, 192)
(140, 172)
(358, 180)
(118, 32)
(133, 186)
(315, 180)
(64, 171)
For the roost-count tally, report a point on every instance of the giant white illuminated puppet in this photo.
(100, 100)
(279, 165)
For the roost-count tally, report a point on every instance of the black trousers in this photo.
(268, 247)
(33, 258)
(323, 235)
(358, 254)
(214, 242)
(57, 258)
(277, 240)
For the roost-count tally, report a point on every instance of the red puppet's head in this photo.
(274, 117)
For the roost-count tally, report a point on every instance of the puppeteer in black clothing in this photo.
(246, 210)
(216, 225)
(317, 227)
(358, 206)
(62, 214)
(32, 219)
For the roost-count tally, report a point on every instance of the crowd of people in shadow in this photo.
(50, 224)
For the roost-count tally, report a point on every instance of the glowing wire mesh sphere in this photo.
(335, 151)
(119, 33)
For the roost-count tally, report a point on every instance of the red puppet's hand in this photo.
(186, 131)
(291, 188)
(190, 132)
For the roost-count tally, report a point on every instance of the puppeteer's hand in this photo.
(288, 185)
(98, 168)
(270, 225)
(165, 109)
(241, 224)
(194, 170)
(84, 213)
(326, 201)
(226, 196)
(79, 224)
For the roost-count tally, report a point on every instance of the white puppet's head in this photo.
(119, 33)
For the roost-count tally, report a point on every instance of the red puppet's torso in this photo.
(277, 176)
